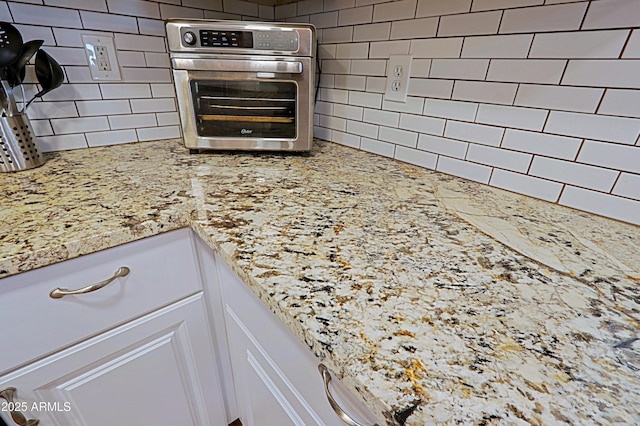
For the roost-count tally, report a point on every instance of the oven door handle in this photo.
(290, 67)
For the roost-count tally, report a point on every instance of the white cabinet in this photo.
(276, 377)
(138, 351)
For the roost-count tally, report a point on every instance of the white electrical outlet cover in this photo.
(105, 68)
(398, 71)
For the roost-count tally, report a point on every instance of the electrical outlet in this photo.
(398, 70)
(101, 53)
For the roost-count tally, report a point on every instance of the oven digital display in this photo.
(215, 38)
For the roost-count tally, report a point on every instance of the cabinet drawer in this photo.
(162, 269)
(254, 331)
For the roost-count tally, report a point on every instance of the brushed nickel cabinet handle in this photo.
(326, 377)
(16, 416)
(57, 293)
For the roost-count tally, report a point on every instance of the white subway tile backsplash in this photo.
(572, 173)
(333, 123)
(632, 50)
(48, 110)
(465, 111)
(497, 46)
(603, 73)
(132, 121)
(157, 60)
(355, 16)
(513, 117)
(414, 28)
(526, 70)
(163, 90)
(377, 147)
(444, 146)
(239, 7)
(146, 9)
(486, 135)
(336, 66)
(108, 22)
(146, 75)
(369, 67)
(566, 98)
(614, 156)
(372, 32)
(345, 139)
(141, 43)
(459, 69)
(527, 185)
(436, 48)
(384, 118)
(64, 126)
(324, 20)
(153, 105)
(416, 157)
(347, 111)
(430, 88)
(397, 10)
(414, 105)
(464, 169)
(350, 82)
(422, 124)
(72, 92)
(470, 24)
(397, 136)
(285, 11)
(362, 129)
(352, 51)
(502, 4)
(41, 128)
(369, 100)
(103, 107)
(322, 107)
(542, 144)
(602, 127)
(561, 17)
(45, 15)
(322, 132)
(376, 84)
(437, 8)
(68, 55)
(168, 11)
(154, 133)
(31, 32)
(111, 137)
(384, 49)
(5, 15)
(625, 103)
(420, 68)
(61, 142)
(151, 27)
(478, 91)
(498, 157)
(125, 91)
(337, 35)
(612, 14)
(580, 45)
(128, 58)
(334, 95)
(309, 7)
(628, 185)
(602, 204)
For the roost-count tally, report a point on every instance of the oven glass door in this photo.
(245, 108)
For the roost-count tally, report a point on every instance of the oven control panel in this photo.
(272, 40)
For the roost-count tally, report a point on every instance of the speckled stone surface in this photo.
(436, 300)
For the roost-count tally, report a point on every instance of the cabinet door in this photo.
(156, 370)
(276, 377)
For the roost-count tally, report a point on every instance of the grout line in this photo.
(584, 18)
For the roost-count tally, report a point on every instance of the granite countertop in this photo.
(435, 299)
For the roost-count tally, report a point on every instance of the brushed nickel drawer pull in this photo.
(326, 377)
(57, 293)
(16, 416)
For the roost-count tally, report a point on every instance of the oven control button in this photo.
(189, 38)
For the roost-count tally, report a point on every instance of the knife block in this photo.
(18, 149)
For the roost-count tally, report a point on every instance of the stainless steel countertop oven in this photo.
(244, 85)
